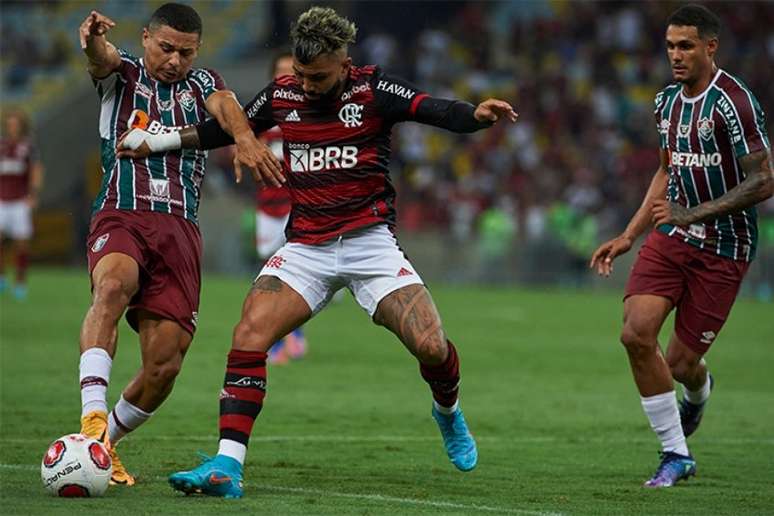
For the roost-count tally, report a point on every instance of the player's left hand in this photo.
(666, 212)
(492, 110)
(132, 144)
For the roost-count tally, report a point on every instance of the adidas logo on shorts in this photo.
(404, 272)
(293, 117)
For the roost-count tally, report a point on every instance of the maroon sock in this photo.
(22, 260)
(242, 396)
(444, 379)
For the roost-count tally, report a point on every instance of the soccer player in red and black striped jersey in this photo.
(336, 121)
(144, 247)
(715, 167)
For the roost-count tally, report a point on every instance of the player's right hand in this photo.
(95, 24)
(258, 157)
(603, 257)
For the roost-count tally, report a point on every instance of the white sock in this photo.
(94, 373)
(700, 396)
(125, 418)
(664, 417)
(232, 449)
(446, 410)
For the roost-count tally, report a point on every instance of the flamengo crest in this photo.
(352, 115)
(706, 127)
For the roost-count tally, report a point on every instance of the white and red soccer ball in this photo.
(76, 466)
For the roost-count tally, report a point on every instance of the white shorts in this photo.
(367, 261)
(15, 220)
(269, 233)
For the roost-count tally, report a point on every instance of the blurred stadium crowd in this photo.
(582, 76)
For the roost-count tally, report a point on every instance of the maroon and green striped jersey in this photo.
(169, 182)
(337, 151)
(705, 136)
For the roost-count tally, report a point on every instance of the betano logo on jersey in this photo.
(322, 158)
(692, 159)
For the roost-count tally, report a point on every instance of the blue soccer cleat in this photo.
(215, 476)
(673, 468)
(691, 413)
(459, 443)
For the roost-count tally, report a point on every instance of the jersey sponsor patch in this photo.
(692, 159)
(395, 89)
(323, 158)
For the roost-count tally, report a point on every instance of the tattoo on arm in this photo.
(756, 187)
(268, 284)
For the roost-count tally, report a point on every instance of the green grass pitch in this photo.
(546, 390)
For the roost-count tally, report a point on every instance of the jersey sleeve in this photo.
(663, 132)
(259, 110)
(208, 80)
(127, 71)
(396, 99)
(745, 123)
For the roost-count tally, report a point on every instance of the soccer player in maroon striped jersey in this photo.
(336, 121)
(144, 246)
(715, 167)
(21, 177)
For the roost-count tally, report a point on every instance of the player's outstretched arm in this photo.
(462, 117)
(250, 152)
(757, 186)
(102, 55)
(603, 257)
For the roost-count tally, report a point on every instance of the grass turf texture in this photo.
(546, 390)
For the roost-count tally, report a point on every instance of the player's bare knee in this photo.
(111, 291)
(636, 339)
(250, 336)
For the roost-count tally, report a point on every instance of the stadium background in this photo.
(546, 388)
(525, 203)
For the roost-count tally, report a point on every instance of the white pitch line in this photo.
(411, 439)
(359, 496)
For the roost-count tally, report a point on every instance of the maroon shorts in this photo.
(167, 249)
(702, 285)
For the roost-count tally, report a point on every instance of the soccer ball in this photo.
(75, 465)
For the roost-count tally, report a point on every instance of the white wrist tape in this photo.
(156, 142)
(164, 142)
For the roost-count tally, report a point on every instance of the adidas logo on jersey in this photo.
(293, 117)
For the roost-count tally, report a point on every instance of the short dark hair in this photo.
(320, 30)
(180, 17)
(706, 22)
(278, 56)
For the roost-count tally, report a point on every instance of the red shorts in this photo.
(167, 249)
(702, 285)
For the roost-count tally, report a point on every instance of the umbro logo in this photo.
(293, 117)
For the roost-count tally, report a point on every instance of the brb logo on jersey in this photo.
(305, 159)
(352, 115)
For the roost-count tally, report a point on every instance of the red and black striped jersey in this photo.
(336, 152)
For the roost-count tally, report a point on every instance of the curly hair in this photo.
(320, 30)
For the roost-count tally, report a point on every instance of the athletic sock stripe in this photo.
(254, 395)
(237, 422)
(125, 428)
(93, 380)
(243, 381)
(234, 435)
(247, 364)
(230, 406)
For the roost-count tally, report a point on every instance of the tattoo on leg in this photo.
(267, 284)
(411, 315)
